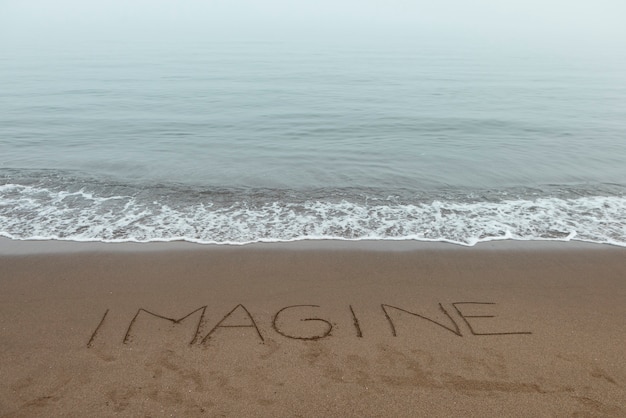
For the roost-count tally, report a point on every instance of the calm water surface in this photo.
(235, 142)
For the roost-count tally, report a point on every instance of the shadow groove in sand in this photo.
(324, 334)
(220, 324)
(473, 385)
(455, 331)
(288, 320)
(53, 394)
(593, 407)
(465, 319)
(172, 320)
(93, 336)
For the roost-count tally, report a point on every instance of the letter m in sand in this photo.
(153, 323)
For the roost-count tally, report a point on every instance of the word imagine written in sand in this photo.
(240, 317)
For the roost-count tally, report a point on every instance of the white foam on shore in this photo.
(37, 213)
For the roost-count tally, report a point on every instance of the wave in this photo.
(123, 213)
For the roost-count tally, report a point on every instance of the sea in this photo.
(234, 142)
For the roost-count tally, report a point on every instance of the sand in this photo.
(312, 329)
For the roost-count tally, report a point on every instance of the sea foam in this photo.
(34, 212)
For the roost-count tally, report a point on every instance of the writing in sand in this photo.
(294, 322)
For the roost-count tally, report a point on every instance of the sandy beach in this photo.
(312, 329)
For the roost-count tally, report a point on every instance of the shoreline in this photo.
(310, 328)
(10, 247)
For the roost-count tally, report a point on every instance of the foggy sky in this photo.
(556, 23)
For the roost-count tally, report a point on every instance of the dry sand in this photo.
(312, 329)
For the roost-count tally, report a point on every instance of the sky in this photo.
(553, 23)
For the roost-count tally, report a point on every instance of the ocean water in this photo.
(236, 142)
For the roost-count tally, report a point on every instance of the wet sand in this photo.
(312, 329)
